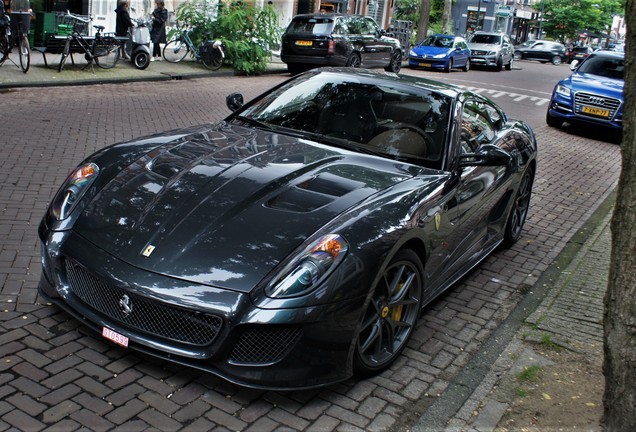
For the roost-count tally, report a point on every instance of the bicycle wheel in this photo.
(175, 51)
(4, 49)
(25, 53)
(106, 52)
(65, 53)
(212, 58)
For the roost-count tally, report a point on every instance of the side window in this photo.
(477, 128)
(538, 46)
(369, 27)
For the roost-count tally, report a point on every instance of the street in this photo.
(53, 372)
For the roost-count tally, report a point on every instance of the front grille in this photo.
(264, 344)
(479, 52)
(589, 99)
(149, 316)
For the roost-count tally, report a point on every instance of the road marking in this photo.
(496, 94)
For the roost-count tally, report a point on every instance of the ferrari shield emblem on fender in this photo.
(438, 221)
(148, 250)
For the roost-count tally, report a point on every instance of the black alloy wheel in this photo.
(391, 315)
(519, 210)
(354, 61)
(395, 65)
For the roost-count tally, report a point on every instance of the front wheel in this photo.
(395, 64)
(449, 65)
(65, 53)
(553, 121)
(510, 62)
(354, 61)
(25, 54)
(141, 60)
(213, 58)
(106, 52)
(391, 315)
(466, 67)
(519, 210)
(175, 51)
(556, 60)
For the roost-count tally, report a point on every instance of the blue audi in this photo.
(441, 51)
(592, 95)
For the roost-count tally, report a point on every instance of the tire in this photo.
(141, 60)
(556, 60)
(175, 51)
(517, 56)
(395, 64)
(499, 65)
(510, 62)
(449, 65)
(295, 68)
(354, 61)
(519, 210)
(213, 59)
(553, 121)
(25, 53)
(466, 67)
(65, 53)
(106, 52)
(391, 315)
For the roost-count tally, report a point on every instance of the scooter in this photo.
(138, 44)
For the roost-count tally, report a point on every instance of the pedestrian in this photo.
(122, 24)
(158, 31)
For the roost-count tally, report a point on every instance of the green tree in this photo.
(562, 19)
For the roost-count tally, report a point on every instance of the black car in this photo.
(578, 53)
(541, 50)
(313, 40)
(294, 243)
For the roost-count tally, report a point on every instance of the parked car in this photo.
(294, 243)
(541, 50)
(441, 51)
(494, 50)
(578, 53)
(593, 94)
(313, 40)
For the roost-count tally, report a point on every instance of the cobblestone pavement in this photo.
(55, 376)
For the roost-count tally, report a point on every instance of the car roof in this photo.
(325, 15)
(609, 53)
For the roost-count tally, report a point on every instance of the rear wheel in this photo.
(141, 60)
(25, 53)
(354, 61)
(518, 55)
(65, 53)
(519, 210)
(391, 315)
(175, 51)
(106, 52)
(213, 58)
(395, 65)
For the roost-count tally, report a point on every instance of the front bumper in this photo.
(487, 61)
(211, 329)
(428, 63)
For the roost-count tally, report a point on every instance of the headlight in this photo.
(413, 53)
(563, 90)
(73, 190)
(492, 53)
(304, 273)
(443, 55)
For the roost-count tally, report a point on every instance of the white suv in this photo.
(491, 50)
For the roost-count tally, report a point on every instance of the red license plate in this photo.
(115, 337)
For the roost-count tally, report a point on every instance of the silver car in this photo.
(494, 50)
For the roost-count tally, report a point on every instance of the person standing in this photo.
(158, 31)
(122, 24)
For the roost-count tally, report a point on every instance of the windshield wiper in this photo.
(256, 123)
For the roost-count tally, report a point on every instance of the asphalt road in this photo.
(52, 373)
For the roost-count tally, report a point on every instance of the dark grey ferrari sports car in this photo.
(293, 244)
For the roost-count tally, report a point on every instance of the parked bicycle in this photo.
(20, 38)
(102, 50)
(210, 53)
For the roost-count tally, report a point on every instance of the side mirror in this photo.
(574, 64)
(234, 101)
(487, 155)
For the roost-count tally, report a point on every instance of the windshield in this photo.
(382, 117)
(486, 39)
(603, 66)
(437, 41)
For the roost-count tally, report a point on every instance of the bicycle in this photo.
(210, 53)
(20, 38)
(103, 50)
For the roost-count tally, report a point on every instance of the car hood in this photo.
(223, 206)
(422, 50)
(483, 46)
(596, 84)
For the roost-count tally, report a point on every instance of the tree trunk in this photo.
(446, 16)
(619, 365)
(422, 27)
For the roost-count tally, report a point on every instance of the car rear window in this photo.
(317, 26)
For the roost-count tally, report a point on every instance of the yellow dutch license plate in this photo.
(595, 111)
(303, 43)
(425, 64)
